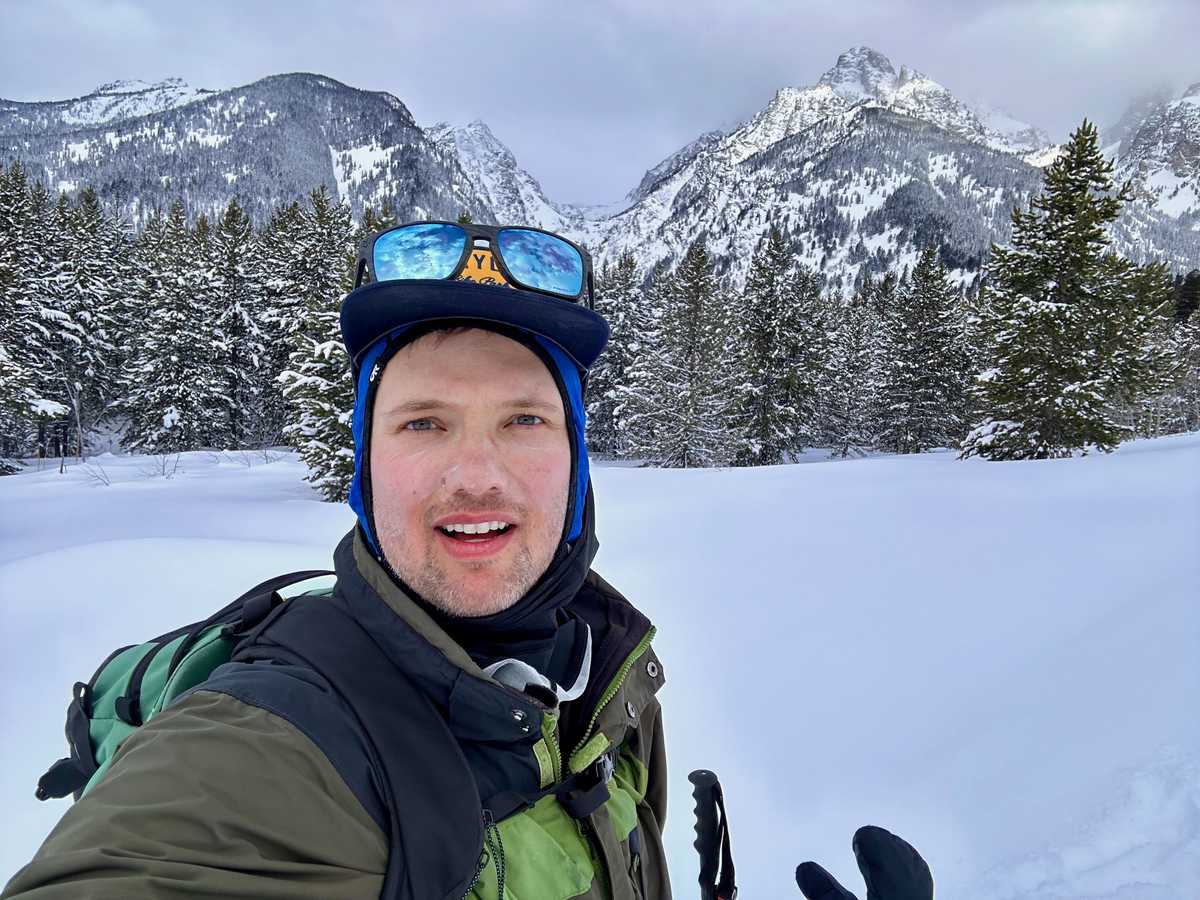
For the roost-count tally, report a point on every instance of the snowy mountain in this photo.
(1161, 155)
(859, 169)
(268, 142)
(509, 192)
(111, 102)
(865, 76)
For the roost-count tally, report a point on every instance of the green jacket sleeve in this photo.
(212, 798)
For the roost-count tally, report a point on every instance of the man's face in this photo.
(468, 429)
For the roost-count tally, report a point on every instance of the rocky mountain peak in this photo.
(861, 72)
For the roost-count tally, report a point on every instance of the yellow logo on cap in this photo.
(481, 267)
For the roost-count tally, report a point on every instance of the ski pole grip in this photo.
(706, 843)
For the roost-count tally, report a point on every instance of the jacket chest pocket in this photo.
(548, 855)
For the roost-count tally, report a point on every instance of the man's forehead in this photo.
(468, 367)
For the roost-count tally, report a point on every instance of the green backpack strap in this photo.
(136, 682)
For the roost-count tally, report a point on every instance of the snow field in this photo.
(997, 661)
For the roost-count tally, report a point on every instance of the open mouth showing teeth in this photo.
(473, 533)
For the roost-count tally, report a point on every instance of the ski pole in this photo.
(712, 838)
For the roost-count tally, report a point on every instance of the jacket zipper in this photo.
(614, 687)
(550, 733)
(494, 851)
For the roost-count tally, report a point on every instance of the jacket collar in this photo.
(476, 706)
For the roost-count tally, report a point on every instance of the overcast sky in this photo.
(590, 93)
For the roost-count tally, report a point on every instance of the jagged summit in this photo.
(861, 72)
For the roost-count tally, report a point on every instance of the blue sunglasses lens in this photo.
(418, 251)
(542, 261)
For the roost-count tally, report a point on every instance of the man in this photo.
(504, 736)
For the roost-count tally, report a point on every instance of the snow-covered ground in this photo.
(998, 661)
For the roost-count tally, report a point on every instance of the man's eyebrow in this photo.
(429, 405)
(535, 403)
(416, 406)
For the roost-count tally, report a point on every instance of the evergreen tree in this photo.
(923, 391)
(240, 339)
(683, 389)
(16, 379)
(173, 386)
(318, 385)
(85, 355)
(278, 288)
(1067, 324)
(804, 333)
(644, 392)
(854, 371)
(39, 327)
(1184, 392)
(1188, 296)
(619, 299)
(782, 351)
(1176, 407)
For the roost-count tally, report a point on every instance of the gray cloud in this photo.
(591, 94)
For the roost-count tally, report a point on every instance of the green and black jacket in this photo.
(263, 782)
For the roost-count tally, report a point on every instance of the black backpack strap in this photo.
(421, 772)
(71, 773)
(246, 611)
(581, 794)
(242, 614)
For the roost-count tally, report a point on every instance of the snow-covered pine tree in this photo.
(1184, 393)
(95, 273)
(685, 387)
(278, 294)
(241, 341)
(1147, 378)
(1187, 297)
(1176, 407)
(16, 377)
(1067, 323)
(856, 352)
(644, 394)
(318, 385)
(761, 436)
(923, 389)
(373, 221)
(781, 349)
(45, 317)
(804, 335)
(620, 301)
(173, 386)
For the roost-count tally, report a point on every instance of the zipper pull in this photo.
(495, 850)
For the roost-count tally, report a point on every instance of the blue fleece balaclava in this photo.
(568, 375)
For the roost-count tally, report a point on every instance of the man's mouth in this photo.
(475, 532)
(475, 540)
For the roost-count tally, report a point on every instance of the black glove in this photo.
(891, 867)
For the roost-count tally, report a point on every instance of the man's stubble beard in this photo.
(421, 571)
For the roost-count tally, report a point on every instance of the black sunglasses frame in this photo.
(490, 233)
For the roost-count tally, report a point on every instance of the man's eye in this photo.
(419, 425)
(527, 419)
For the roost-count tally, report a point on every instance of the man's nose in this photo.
(474, 466)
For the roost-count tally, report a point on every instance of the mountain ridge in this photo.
(802, 163)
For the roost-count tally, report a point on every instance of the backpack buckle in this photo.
(582, 802)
